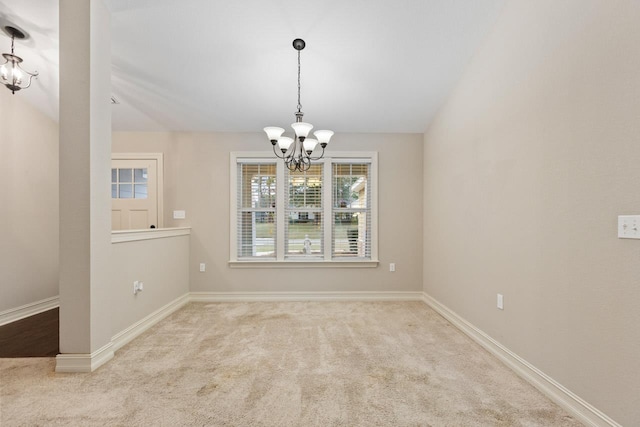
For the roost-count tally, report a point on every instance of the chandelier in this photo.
(11, 73)
(299, 151)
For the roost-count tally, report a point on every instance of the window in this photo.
(326, 214)
(128, 183)
(256, 210)
(351, 210)
(304, 225)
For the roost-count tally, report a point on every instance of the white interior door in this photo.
(134, 194)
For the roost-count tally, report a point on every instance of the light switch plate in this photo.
(629, 226)
(179, 214)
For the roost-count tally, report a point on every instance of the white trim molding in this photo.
(304, 296)
(84, 362)
(121, 236)
(583, 411)
(33, 308)
(124, 337)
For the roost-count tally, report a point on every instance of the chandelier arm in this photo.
(292, 164)
(27, 86)
(291, 153)
(306, 162)
(31, 76)
(276, 153)
(307, 166)
(292, 157)
(319, 157)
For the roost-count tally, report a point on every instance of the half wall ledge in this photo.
(121, 236)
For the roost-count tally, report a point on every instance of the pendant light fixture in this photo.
(11, 73)
(298, 152)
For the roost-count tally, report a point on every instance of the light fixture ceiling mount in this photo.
(298, 152)
(12, 75)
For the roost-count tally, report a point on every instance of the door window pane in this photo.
(114, 191)
(114, 175)
(140, 175)
(125, 191)
(125, 175)
(140, 191)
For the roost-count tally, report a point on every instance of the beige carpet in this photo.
(284, 364)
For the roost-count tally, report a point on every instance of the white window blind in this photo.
(304, 222)
(326, 214)
(256, 209)
(351, 210)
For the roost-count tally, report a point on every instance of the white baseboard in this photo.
(27, 310)
(304, 296)
(84, 362)
(129, 334)
(572, 403)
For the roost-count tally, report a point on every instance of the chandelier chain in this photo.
(299, 104)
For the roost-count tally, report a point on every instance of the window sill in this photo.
(303, 264)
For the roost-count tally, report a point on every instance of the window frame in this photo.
(325, 260)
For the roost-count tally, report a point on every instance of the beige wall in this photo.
(197, 180)
(526, 169)
(161, 264)
(29, 203)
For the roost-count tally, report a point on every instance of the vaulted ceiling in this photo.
(219, 65)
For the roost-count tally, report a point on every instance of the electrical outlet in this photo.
(137, 287)
(500, 302)
(392, 267)
(179, 214)
(629, 227)
(203, 267)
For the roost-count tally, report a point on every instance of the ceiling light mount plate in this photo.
(299, 44)
(17, 33)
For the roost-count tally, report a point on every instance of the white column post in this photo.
(85, 204)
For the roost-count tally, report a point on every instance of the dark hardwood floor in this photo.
(35, 336)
